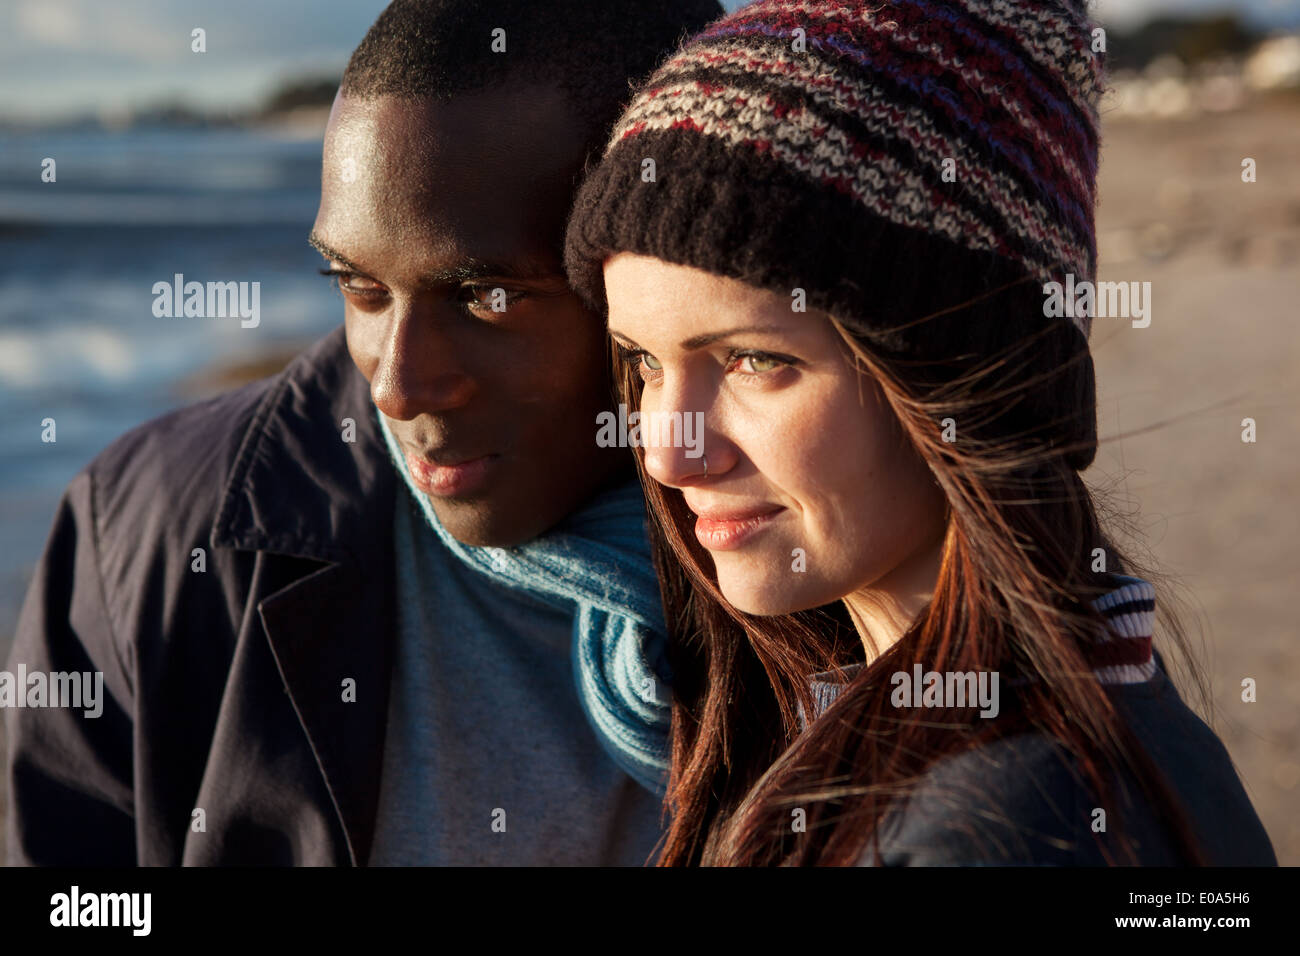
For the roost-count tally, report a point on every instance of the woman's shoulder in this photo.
(1013, 801)
(1199, 770)
(1022, 800)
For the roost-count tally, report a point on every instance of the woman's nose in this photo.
(677, 451)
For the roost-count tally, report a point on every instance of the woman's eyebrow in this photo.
(708, 338)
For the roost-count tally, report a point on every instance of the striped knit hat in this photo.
(807, 143)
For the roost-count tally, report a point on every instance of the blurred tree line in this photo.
(1191, 39)
(318, 91)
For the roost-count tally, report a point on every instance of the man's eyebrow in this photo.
(319, 245)
(469, 268)
(708, 338)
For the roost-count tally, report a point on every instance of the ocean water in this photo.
(79, 340)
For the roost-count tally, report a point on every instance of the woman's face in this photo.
(812, 494)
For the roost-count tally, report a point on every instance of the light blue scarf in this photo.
(595, 564)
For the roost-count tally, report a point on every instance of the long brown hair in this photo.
(1013, 594)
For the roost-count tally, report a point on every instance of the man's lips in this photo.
(465, 477)
(726, 530)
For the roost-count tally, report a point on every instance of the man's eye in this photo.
(353, 283)
(483, 299)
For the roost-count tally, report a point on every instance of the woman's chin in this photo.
(766, 598)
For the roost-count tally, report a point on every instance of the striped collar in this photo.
(1123, 656)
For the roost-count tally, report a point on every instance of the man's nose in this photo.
(420, 368)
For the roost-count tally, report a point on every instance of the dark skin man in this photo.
(347, 677)
(432, 213)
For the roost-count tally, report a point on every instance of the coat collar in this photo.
(318, 508)
(297, 486)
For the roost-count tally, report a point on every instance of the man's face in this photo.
(434, 213)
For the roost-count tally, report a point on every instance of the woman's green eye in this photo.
(651, 362)
(760, 364)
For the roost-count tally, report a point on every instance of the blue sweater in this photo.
(489, 759)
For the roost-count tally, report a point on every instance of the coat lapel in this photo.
(335, 664)
(302, 489)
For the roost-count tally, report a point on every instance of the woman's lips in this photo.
(450, 481)
(728, 532)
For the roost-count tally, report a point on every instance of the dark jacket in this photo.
(222, 686)
(1022, 800)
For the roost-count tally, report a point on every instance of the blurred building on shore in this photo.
(1186, 80)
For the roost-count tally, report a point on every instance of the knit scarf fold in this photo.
(596, 565)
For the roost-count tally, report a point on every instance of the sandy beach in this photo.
(1217, 513)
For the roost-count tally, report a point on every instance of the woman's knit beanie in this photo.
(889, 159)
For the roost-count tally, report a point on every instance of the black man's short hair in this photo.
(592, 50)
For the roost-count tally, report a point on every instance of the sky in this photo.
(72, 57)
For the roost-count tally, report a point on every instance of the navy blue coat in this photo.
(1021, 800)
(222, 687)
